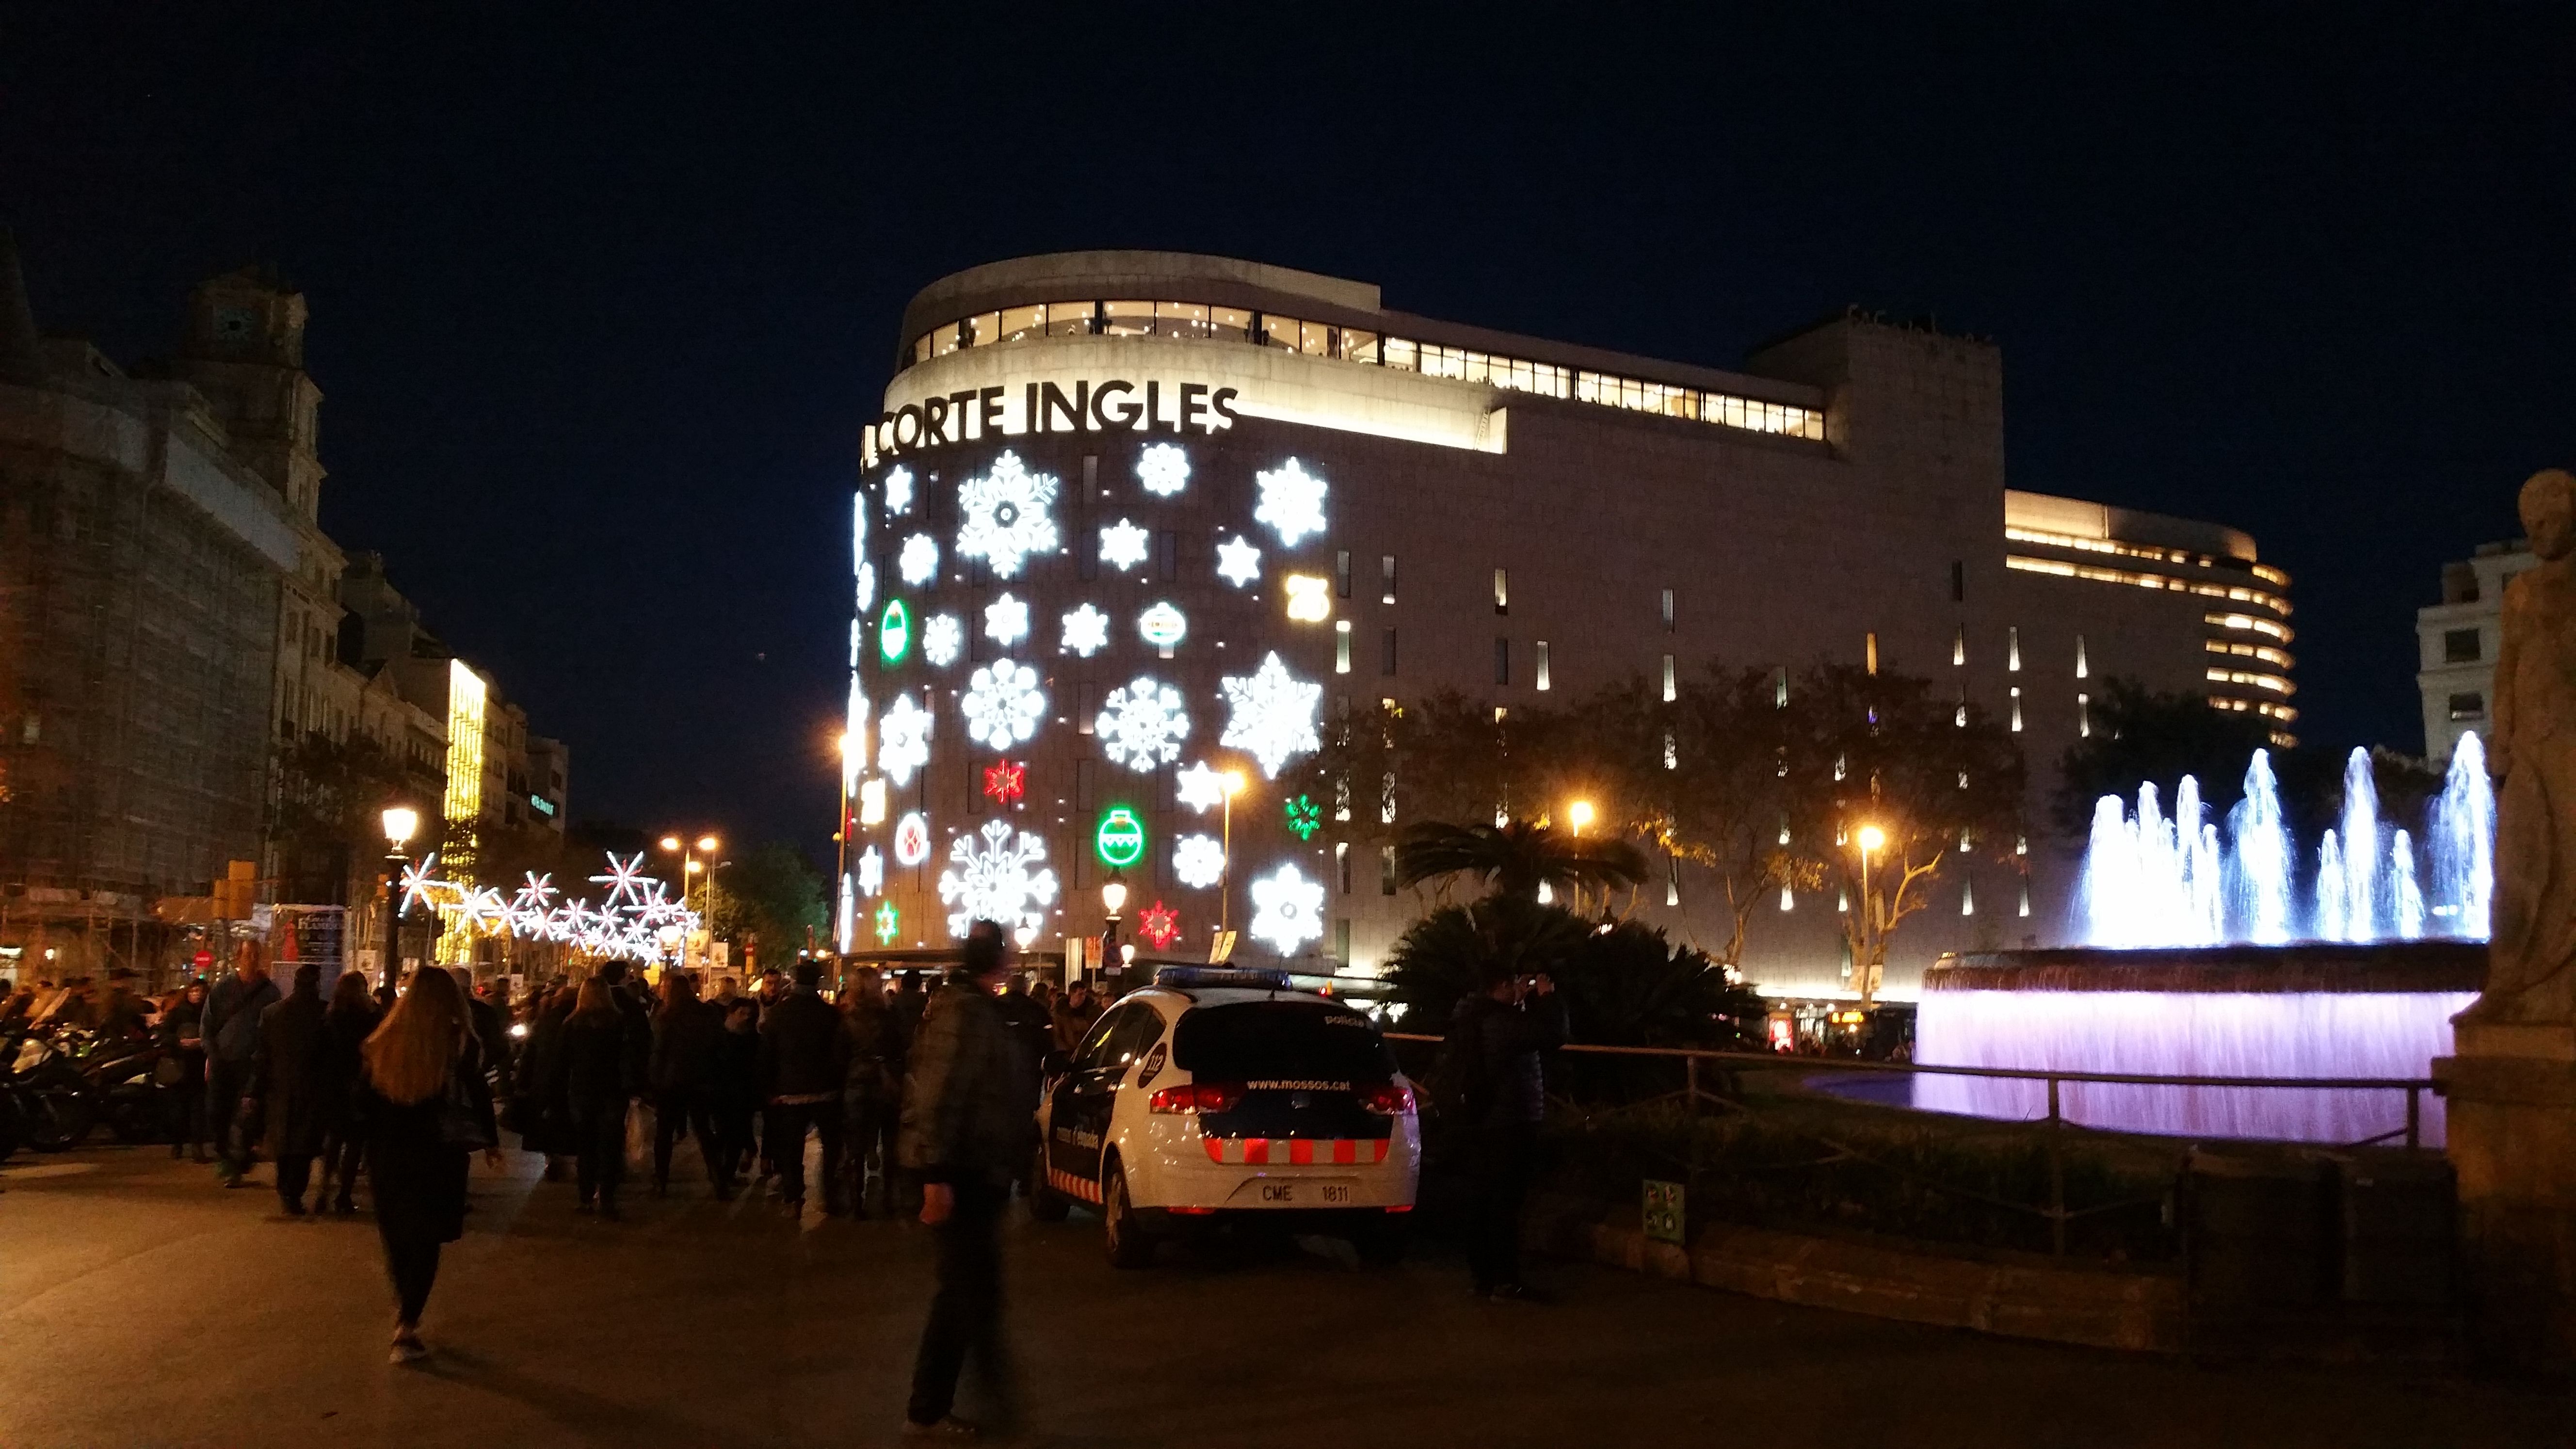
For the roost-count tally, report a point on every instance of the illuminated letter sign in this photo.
(1084, 405)
(1120, 840)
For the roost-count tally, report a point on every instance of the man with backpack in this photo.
(1493, 1086)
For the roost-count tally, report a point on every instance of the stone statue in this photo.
(2531, 963)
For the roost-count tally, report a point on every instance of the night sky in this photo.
(598, 307)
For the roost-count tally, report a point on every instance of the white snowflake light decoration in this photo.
(898, 491)
(858, 531)
(1288, 910)
(625, 880)
(1292, 502)
(1200, 788)
(1004, 513)
(919, 561)
(1198, 861)
(1123, 545)
(1086, 631)
(867, 588)
(903, 739)
(941, 639)
(1003, 882)
(1163, 468)
(1238, 561)
(1273, 714)
(1142, 724)
(1002, 704)
(871, 872)
(1006, 621)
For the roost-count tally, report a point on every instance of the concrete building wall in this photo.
(2456, 642)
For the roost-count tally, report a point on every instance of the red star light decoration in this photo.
(1005, 781)
(1159, 924)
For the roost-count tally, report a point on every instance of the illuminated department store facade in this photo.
(1132, 520)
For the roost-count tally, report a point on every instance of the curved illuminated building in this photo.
(1147, 508)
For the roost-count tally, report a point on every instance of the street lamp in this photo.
(1113, 901)
(401, 822)
(1232, 783)
(1579, 814)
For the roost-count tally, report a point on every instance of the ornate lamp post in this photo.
(401, 822)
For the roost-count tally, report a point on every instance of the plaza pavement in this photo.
(141, 1307)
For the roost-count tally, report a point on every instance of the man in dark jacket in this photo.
(287, 1079)
(966, 1114)
(686, 1034)
(230, 1032)
(804, 1062)
(1499, 1039)
(1033, 1030)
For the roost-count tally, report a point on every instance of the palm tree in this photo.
(1515, 859)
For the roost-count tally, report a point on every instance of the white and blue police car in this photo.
(1221, 1093)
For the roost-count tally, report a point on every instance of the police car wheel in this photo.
(1130, 1246)
(1045, 1203)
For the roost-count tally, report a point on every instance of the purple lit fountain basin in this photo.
(2310, 1009)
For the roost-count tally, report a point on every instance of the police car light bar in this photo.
(1259, 978)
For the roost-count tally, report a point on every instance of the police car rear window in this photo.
(1281, 1040)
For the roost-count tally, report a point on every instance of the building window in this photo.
(2083, 667)
(1502, 661)
(1342, 864)
(1779, 690)
(1386, 869)
(1341, 646)
(1967, 897)
(2016, 709)
(1386, 578)
(1502, 593)
(1958, 581)
(1959, 648)
(1342, 942)
(1870, 649)
(2084, 716)
(1672, 880)
(2012, 648)
(2461, 646)
(1538, 664)
(2025, 896)
(1386, 654)
(1342, 574)
(2468, 706)
(1668, 611)
(1672, 685)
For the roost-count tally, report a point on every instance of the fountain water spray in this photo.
(2361, 856)
(2263, 854)
(2464, 844)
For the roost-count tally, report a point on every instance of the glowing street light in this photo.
(1870, 838)
(1579, 814)
(401, 822)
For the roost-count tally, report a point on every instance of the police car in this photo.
(1221, 1094)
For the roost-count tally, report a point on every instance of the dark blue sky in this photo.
(597, 305)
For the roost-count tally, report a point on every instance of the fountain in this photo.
(2193, 964)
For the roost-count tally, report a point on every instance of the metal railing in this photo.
(2055, 1124)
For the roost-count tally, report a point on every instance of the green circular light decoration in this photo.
(1303, 818)
(1119, 840)
(894, 632)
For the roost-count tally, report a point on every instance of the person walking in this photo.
(592, 1083)
(346, 1024)
(535, 1114)
(804, 1067)
(733, 1092)
(1033, 1031)
(230, 1032)
(288, 1082)
(184, 1050)
(1493, 1075)
(872, 1090)
(427, 1108)
(967, 1109)
(682, 1074)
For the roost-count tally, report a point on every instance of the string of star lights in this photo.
(627, 925)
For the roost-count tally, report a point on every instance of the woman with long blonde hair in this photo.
(427, 1110)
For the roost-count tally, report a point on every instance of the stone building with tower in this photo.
(185, 662)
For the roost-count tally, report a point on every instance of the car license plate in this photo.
(1291, 1193)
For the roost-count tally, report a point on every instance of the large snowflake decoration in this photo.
(858, 531)
(1163, 468)
(942, 638)
(1200, 788)
(903, 739)
(1238, 561)
(1143, 723)
(1006, 620)
(1159, 924)
(1123, 545)
(1004, 515)
(420, 884)
(1002, 704)
(482, 911)
(871, 872)
(1288, 910)
(1292, 502)
(625, 880)
(888, 920)
(919, 561)
(1086, 631)
(1198, 861)
(898, 491)
(533, 898)
(1002, 882)
(866, 597)
(1273, 714)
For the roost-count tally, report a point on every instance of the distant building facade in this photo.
(184, 655)
(1511, 517)
(2456, 642)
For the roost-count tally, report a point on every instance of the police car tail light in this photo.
(1391, 1099)
(1198, 1097)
